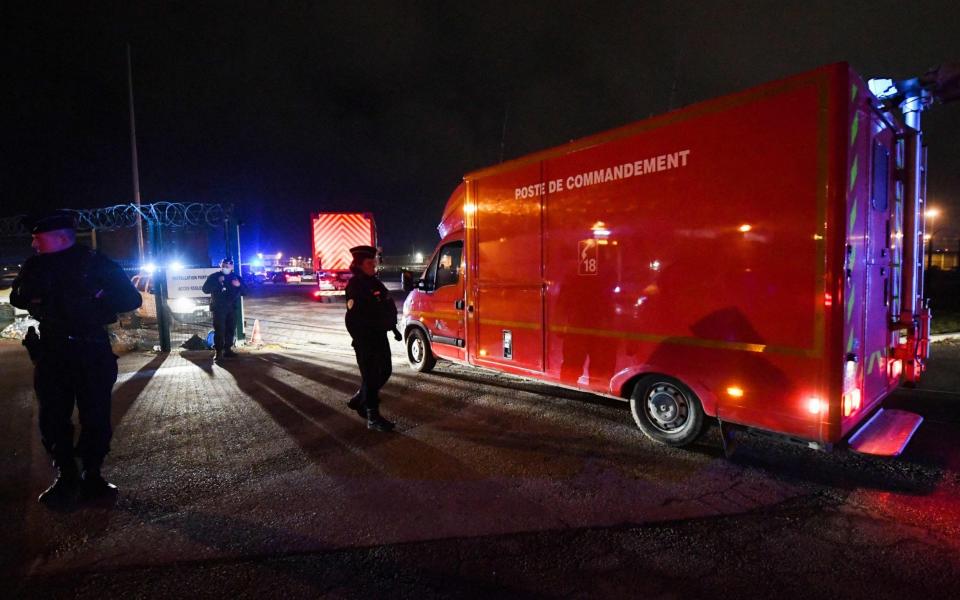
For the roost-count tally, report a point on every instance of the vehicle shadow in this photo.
(544, 390)
(841, 469)
(516, 432)
(522, 431)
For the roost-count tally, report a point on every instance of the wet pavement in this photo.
(253, 479)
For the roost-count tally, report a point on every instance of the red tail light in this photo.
(896, 369)
(316, 294)
(851, 402)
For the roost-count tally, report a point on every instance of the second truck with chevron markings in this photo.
(754, 259)
(333, 236)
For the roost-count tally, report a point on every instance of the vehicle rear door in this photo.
(878, 342)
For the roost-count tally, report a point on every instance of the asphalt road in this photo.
(255, 480)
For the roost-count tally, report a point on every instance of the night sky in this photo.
(290, 107)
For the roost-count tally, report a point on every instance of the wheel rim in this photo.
(667, 407)
(416, 349)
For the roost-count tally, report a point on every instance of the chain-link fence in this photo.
(178, 236)
(175, 312)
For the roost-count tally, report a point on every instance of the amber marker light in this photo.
(735, 392)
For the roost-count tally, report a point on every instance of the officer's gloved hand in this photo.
(396, 334)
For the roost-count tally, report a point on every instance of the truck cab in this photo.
(434, 312)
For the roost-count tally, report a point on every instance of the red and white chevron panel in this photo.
(333, 236)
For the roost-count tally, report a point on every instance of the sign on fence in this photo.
(187, 283)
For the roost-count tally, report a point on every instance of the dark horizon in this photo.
(284, 111)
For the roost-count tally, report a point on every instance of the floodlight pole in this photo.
(133, 152)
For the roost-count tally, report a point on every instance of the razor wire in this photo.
(174, 215)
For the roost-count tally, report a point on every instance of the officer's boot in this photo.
(356, 403)
(376, 422)
(217, 356)
(64, 487)
(229, 353)
(94, 486)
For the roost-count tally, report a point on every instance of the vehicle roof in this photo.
(642, 125)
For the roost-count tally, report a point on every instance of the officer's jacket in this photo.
(371, 310)
(73, 292)
(223, 296)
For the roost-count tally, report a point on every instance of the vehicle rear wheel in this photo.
(419, 355)
(666, 410)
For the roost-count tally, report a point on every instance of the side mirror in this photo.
(421, 284)
(406, 281)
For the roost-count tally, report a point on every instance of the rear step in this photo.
(886, 433)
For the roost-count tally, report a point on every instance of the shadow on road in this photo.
(202, 359)
(425, 407)
(516, 436)
(336, 439)
(125, 394)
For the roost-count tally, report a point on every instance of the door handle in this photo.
(458, 304)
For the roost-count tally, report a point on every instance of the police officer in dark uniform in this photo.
(371, 314)
(74, 293)
(224, 287)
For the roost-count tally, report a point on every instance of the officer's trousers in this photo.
(81, 373)
(376, 366)
(224, 328)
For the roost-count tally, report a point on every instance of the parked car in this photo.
(288, 275)
(182, 309)
(331, 284)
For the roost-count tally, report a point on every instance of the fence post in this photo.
(160, 288)
(233, 250)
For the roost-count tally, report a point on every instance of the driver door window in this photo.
(444, 269)
(448, 265)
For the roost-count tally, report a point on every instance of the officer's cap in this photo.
(362, 252)
(51, 221)
(226, 261)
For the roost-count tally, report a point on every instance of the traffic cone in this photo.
(255, 336)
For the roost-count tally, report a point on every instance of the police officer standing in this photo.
(224, 287)
(371, 313)
(74, 293)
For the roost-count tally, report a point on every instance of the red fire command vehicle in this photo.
(333, 236)
(756, 258)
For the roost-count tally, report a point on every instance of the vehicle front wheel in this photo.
(666, 410)
(419, 355)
